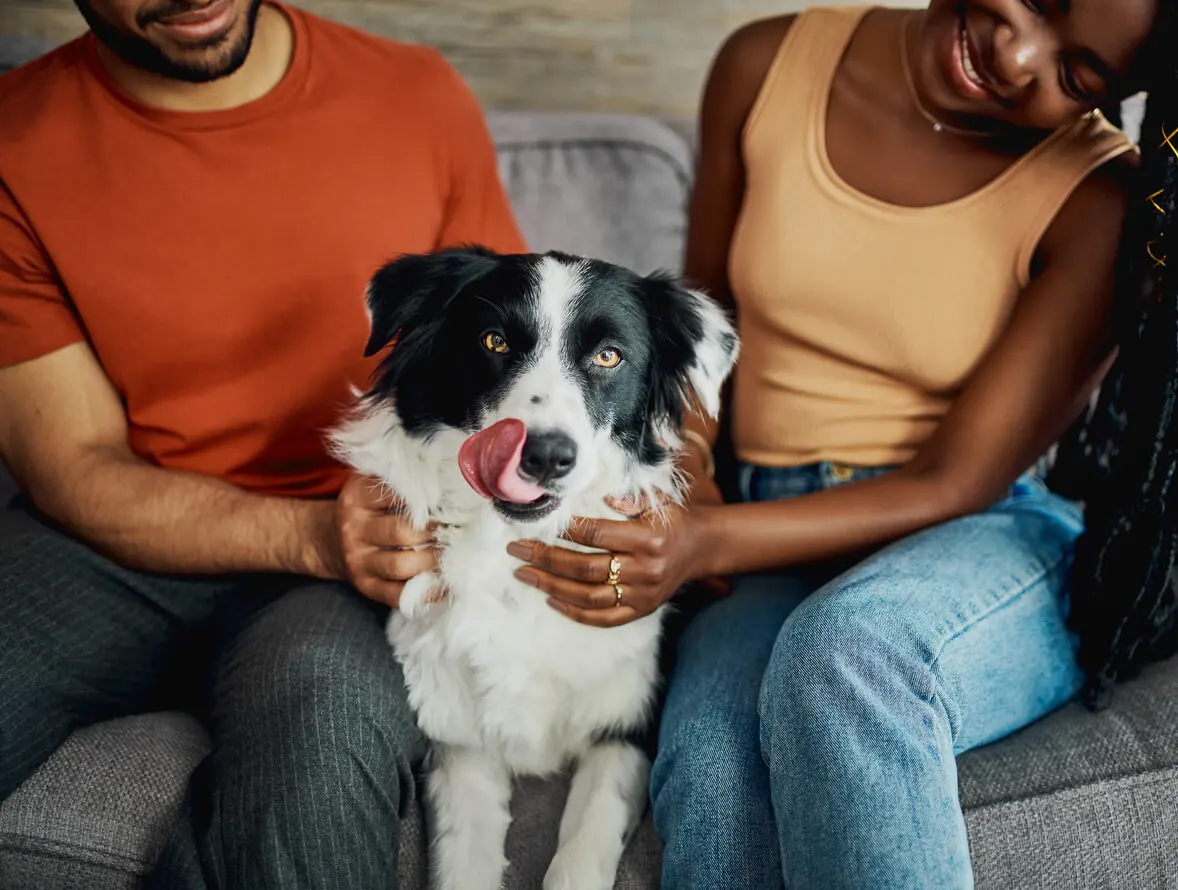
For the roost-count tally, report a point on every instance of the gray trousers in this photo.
(314, 742)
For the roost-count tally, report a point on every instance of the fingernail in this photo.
(527, 576)
(558, 605)
(520, 550)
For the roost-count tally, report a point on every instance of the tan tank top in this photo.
(862, 320)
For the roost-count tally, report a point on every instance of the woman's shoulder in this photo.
(760, 38)
(751, 49)
(1088, 222)
(1104, 166)
(747, 54)
(741, 65)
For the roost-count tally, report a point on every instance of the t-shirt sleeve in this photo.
(477, 209)
(35, 315)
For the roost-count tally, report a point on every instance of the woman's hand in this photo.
(656, 553)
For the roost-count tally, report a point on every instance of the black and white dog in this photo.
(522, 391)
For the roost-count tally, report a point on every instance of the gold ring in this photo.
(615, 572)
(618, 591)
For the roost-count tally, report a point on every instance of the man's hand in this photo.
(371, 544)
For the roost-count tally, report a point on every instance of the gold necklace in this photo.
(938, 125)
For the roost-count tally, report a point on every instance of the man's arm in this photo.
(478, 210)
(63, 432)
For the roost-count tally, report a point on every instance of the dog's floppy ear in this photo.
(695, 349)
(409, 291)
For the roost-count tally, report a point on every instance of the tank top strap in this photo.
(1048, 175)
(799, 79)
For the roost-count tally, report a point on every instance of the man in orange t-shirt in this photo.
(193, 196)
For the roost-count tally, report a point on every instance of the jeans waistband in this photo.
(757, 483)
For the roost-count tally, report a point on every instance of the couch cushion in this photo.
(16, 49)
(97, 811)
(1081, 799)
(536, 810)
(604, 185)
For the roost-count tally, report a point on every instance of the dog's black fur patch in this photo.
(438, 307)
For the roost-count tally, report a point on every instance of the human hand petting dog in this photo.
(646, 560)
(372, 545)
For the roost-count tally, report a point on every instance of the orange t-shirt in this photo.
(216, 262)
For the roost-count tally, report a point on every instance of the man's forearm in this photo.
(164, 520)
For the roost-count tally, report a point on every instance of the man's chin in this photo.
(202, 65)
(220, 57)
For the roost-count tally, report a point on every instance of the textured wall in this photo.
(626, 55)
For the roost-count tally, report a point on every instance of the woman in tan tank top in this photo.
(916, 218)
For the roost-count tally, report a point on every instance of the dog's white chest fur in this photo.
(493, 666)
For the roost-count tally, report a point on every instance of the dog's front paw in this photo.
(576, 868)
(420, 594)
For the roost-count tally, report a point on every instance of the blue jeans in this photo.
(813, 717)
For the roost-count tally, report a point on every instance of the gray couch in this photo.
(1075, 801)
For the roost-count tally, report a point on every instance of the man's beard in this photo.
(224, 60)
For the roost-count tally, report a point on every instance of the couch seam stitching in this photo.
(83, 855)
(1088, 789)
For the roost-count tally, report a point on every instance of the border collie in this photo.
(522, 391)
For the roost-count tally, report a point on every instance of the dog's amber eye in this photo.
(608, 358)
(495, 342)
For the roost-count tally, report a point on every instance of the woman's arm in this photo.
(732, 86)
(1021, 398)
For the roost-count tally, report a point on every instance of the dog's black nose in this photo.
(548, 456)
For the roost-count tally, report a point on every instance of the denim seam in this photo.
(1001, 603)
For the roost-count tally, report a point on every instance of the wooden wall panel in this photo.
(647, 56)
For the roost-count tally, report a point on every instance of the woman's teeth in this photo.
(967, 63)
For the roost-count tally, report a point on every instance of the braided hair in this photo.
(1121, 459)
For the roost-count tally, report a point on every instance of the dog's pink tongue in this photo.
(490, 462)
